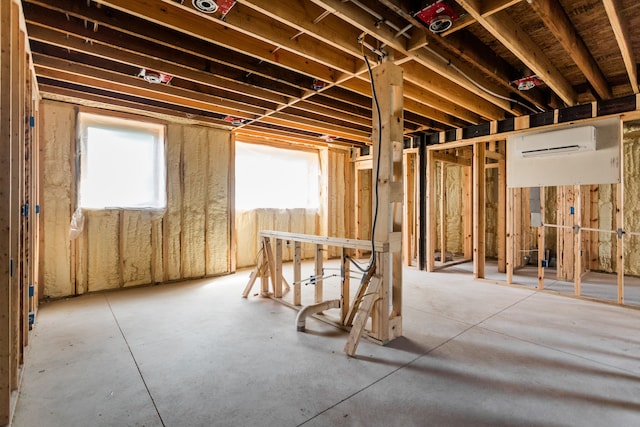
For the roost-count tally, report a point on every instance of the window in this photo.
(268, 177)
(122, 163)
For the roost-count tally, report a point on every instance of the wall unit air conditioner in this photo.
(555, 143)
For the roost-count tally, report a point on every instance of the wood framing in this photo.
(18, 201)
(479, 212)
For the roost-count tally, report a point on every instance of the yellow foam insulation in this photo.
(454, 226)
(632, 198)
(136, 247)
(194, 198)
(128, 247)
(172, 220)
(56, 158)
(103, 250)
(217, 219)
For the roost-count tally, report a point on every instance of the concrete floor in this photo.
(197, 354)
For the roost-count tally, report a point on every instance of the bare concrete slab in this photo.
(197, 354)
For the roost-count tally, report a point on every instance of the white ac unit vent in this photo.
(554, 143)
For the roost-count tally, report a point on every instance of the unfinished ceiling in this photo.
(295, 70)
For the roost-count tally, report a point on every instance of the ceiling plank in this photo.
(557, 21)
(621, 32)
(507, 32)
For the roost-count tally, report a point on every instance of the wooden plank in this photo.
(620, 239)
(318, 273)
(479, 211)
(510, 238)
(346, 284)
(297, 273)
(505, 29)
(594, 261)
(541, 242)
(557, 21)
(577, 243)
(450, 158)
(468, 212)
(501, 220)
(362, 315)
(5, 211)
(430, 238)
(263, 262)
(16, 178)
(277, 269)
(621, 32)
(443, 212)
(329, 241)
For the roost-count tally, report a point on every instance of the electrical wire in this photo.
(372, 260)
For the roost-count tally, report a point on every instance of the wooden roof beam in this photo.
(557, 21)
(621, 32)
(427, 56)
(115, 28)
(305, 18)
(149, 62)
(507, 32)
(180, 18)
(489, 7)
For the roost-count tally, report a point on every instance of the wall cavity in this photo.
(120, 248)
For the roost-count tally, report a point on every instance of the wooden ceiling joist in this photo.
(624, 42)
(505, 30)
(557, 21)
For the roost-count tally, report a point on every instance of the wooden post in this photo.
(620, 239)
(430, 238)
(15, 196)
(468, 212)
(297, 273)
(5, 211)
(479, 209)
(501, 222)
(594, 223)
(541, 242)
(577, 242)
(510, 239)
(443, 212)
(387, 139)
(277, 265)
(263, 262)
(318, 273)
(346, 284)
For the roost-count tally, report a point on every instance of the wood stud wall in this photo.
(18, 201)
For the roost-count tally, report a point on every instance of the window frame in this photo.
(122, 123)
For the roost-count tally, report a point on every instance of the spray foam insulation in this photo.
(58, 136)
(117, 248)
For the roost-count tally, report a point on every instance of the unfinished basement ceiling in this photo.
(295, 71)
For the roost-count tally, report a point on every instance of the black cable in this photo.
(375, 210)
